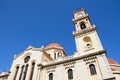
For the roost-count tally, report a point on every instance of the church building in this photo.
(88, 62)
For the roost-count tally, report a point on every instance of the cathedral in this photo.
(88, 62)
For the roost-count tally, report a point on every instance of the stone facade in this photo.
(89, 62)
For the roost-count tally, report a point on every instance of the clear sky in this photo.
(40, 22)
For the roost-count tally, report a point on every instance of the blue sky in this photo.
(40, 22)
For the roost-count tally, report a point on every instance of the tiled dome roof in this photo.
(110, 61)
(54, 45)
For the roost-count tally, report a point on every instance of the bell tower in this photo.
(86, 37)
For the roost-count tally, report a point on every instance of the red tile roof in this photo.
(111, 61)
(113, 69)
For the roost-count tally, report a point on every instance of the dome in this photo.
(110, 61)
(54, 45)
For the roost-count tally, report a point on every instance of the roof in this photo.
(113, 69)
(111, 61)
(54, 45)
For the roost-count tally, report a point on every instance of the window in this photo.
(58, 54)
(26, 68)
(21, 72)
(27, 59)
(51, 76)
(32, 70)
(54, 55)
(88, 44)
(70, 74)
(92, 69)
(82, 25)
(17, 68)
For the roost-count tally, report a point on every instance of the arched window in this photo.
(82, 25)
(21, 72)
(55, 55)
(26, 68)
(17, 68)
(92, 69)
(70, 74)
(58, 54)
(51, 76)
(32, 70)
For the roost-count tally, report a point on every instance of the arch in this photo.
(82, 25)
(32, 70)
(70, 74)
(51, 76)
(92, 69)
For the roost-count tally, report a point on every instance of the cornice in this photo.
(115, 72)
(84, 31)
(112, 78)
(6, 75)
(74, 58)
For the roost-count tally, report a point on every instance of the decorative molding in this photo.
(90, 59)
(69, 65)
(75, 20)
(51, 69)
(81, 32)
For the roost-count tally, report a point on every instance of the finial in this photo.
(15, 56)
(94, 25)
